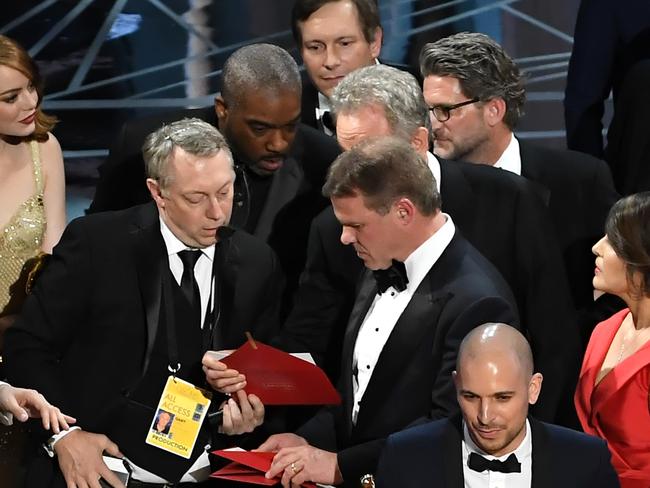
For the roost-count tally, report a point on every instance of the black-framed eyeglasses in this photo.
(442, 112)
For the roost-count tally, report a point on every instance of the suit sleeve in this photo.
(51, 316)
(267, 321)
(318, 305)
(387, 474)
(549, 318)
(604, 475)
(320, 430)
(589, 78)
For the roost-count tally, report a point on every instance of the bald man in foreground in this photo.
(494, 442)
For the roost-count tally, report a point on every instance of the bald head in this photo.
(495, 385)
(493, 340)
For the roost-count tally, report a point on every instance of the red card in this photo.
(278, 378)
(248, 467)
(243, 473)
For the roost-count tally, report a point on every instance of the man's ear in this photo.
(454, 377)
(420, 140)
(404, 210)
(494, 111)
(156, 193)
(375, 44)
(221, 109)
(535, 388)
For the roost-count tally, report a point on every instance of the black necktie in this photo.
(480, 464)
(189, 286)
(394, 276)
(327, 121)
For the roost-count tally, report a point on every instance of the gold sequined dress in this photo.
(22, 237)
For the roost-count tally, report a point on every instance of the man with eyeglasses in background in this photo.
(476, 95)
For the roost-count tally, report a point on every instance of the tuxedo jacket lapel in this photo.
(530, 163)
(422, 310)
(458, 196)
(531, 169)
(365, 296)
(452, 456)
(542, 469)
(284, 187)
(225, 266)
(151, 261)
(309, 102)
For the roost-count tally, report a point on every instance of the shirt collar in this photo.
(174, 245)
(510, 159)
(425, 256)
(323, 104)
(434, 166)
(524, 449)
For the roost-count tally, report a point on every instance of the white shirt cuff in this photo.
(51, 442)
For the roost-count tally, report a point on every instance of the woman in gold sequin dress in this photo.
(32, 201)
(32, 188)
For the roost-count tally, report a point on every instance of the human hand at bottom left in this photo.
(24, 404)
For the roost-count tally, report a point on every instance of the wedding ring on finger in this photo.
(295, 469)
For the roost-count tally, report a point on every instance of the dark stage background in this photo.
(107, 60)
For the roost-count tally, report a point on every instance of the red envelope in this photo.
(278, 378)
(244, 474)
(248, 467)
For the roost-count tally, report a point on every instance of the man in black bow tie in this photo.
(404, 331)
(494, 443)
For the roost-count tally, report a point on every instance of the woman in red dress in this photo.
(612, 398)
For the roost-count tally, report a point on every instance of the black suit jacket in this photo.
(293, 200)
(502, 216)
(581, 192)
(88, 329)
(412, 378)
(609, 38)
(628, 147)
(431, 455)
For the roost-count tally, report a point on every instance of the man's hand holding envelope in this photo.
(276, 377)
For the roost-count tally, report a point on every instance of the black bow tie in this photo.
(480, 464)
(394, 276)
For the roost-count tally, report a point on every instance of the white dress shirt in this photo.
(510, 159)
(434, 166)
(322, 107)
(202, 268)
(496, 479)
(386, 309)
